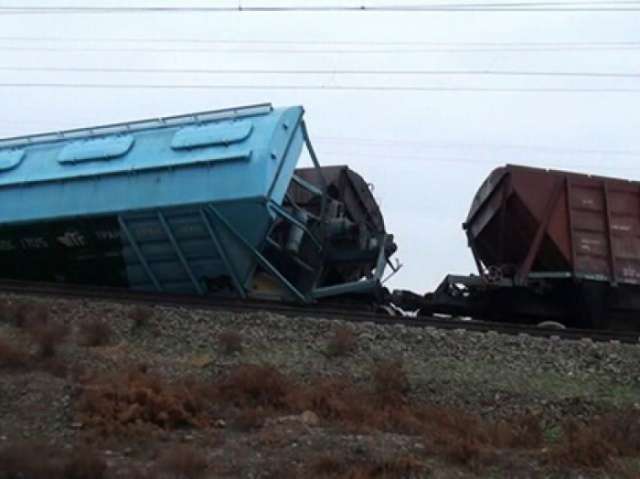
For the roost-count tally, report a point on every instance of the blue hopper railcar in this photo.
(206, 203)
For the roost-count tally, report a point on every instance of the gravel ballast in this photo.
(496, 376)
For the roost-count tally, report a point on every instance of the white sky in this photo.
(426, 151)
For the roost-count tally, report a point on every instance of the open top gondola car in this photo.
(550, 246)
(206, 203)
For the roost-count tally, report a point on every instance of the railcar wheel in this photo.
(551, 325)
(494, 274)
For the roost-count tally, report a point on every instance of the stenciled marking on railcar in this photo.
(587, 243)
(189, 229)
(621, 227)
(7, 245)
(142, 232)
(106, 235)
(630, 273)
(72, 239)
(34, 242)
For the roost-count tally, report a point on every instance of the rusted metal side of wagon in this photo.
(551, 245)
(541, 223)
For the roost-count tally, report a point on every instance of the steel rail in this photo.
(352, 312)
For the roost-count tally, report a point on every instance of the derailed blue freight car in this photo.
(206, 203)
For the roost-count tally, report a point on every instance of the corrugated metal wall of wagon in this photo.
(547, 221)
(605, 222)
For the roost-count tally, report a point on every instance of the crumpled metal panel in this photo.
(346, 186)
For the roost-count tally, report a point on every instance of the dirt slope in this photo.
(97, 389)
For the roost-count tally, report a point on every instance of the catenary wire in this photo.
(358, 142)
(445, 159)
(313, 87)
(310, 42)
(214, 71)
(595, 6)
(634, 47)
(362, 6)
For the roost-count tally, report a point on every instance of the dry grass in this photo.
(140, 316)
(6, 310)
(250, 419)
(248, 395)
(230, 342)
(256, 392)
(581, 446)
(12, 357)
(391, 381)
(330, 466)
(17, 461)
(336, 400)
(95, 332)
(17, 359)
(252, 386)
(18, 313)
(274, 437)
(23, 314)
(521, 432)
(470, 441)
(462, 438)
(622, 431)
(84, 463)
(137, 403)
(181, 462)
(48, 336)
(600, 443)
(342, 343)
(138, 472)
(37, 314)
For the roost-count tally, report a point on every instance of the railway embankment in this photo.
(162, 391)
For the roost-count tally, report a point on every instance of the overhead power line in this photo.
(550, 6)
(314, 87)
(215, 71)
(443, 159)
(358, 143)
(357, 51)
(119, 39)
(348, 146)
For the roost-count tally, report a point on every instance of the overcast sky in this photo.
(426, 152)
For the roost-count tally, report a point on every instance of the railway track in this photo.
(342, 312)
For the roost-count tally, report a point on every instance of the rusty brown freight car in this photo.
(551, 245)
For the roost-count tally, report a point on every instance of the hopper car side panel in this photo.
(550, 245)
(550, 222)
(80, 251)
(190, 204)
